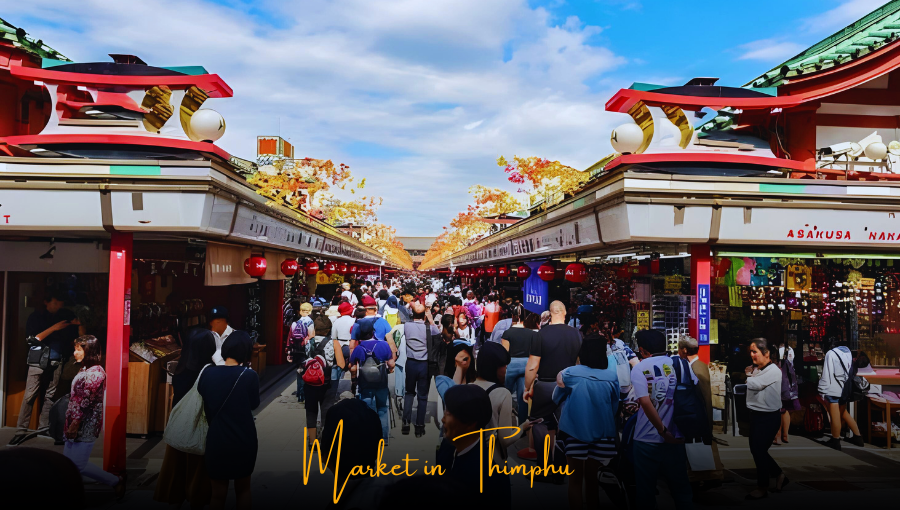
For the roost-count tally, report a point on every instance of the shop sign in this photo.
(252, 225)
(703, 305)
(50, 210)
(643, 319)
(498, 251)
(536, 291)
(673, 283)
(573, 234)
(809, 226)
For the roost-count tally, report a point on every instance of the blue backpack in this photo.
(689, 413)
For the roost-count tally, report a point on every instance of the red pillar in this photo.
(118, 331)
(700, 269)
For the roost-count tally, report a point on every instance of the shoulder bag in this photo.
(187, 427)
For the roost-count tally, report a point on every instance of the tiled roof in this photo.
(868, 34)
(19, 39)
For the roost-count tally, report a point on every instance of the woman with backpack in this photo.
(790, 392)
(302, 330)
(324, 353)
(764, 402)
(836, 387)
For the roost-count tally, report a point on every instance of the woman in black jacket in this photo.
(197, 351)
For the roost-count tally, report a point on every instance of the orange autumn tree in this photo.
(549, 180)
(383, 239)
(300, 183)
(470, 225)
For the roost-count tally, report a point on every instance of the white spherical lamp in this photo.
(207, 125)
(627, 138)
(876, 151)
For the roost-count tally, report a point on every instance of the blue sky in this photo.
(421, 96)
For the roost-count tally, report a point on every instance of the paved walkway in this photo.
(819, 475)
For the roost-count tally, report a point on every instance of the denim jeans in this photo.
(300, 396)
(669, 460)
(377, 400)
(515, 382)
(80, 455)
(399, 381)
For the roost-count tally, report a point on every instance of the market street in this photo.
(819, 475)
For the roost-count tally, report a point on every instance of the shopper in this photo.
(341, 332)
(320, 398)
(688, 348)
(518, 340)
(502, 325)
(360, 435)
(556, 348)
(371, 362)
(764, 402)
(379, 325)
(299, 335)
(464, 330)
(220, 326)
(197, 350)
(84, 416)
(420, 340)
(790, 391)
(836, 372)
(658, 447)
(52, 328)
(348, 295)
(407, 295)
(464, 457)
(230, 393)
(587, 424)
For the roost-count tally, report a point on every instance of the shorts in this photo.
(790, 405)
(603, 451)
(832, 400)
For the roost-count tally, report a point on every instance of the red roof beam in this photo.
(211, 83)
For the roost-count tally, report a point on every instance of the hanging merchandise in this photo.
(255, 266)
(731, 277)
(798, 277)
(734, 297)
(745, 272)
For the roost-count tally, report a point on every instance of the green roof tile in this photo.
(19, 39)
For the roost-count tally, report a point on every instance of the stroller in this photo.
(617, 478)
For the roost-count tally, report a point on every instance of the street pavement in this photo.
(819, 475)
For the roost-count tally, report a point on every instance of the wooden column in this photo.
(700, 287)
(118, 331)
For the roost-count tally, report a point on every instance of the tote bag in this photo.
(187, 426)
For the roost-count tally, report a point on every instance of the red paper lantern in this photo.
(255, 266)
(479, 272)
(523, 271)
(502, 271)
(311, 267)
(342, 268)
(330, 268)
(353, 269)
(546, 272)
(289, 267)
(576, 273)
(491, 271)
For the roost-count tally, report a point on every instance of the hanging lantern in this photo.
(330, 268)
(353, 269)
(479, 272)
(491, 271)
(311, 267)
(342, 268)
(289, 267)
(502, 271)
(576, 273)
(546, 272)
(255, 266)
(523, 271)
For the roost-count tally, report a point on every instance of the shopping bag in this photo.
(187, 427)
(700, 456)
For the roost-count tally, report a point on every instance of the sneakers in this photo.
(856, 441)
(834, 442)
(17, 439)
(420, 430)
(404, 429)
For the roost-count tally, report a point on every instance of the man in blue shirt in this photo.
(381, 326)
(372, 390)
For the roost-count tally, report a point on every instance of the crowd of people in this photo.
(609, 415)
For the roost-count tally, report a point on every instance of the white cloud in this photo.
(770, 50)
(841, 16)
(401, 76)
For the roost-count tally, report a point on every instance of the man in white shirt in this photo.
(341, 332)
(658, 446)
(218, 324)
(351, 297)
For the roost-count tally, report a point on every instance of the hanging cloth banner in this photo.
(536, 291)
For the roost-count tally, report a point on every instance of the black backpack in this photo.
(689, 413)
(373, 373)
(319, 349)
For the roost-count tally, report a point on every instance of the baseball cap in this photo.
(218, 312)
(345, 308)
(369, 302)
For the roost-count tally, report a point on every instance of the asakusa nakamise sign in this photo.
(809, 226)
